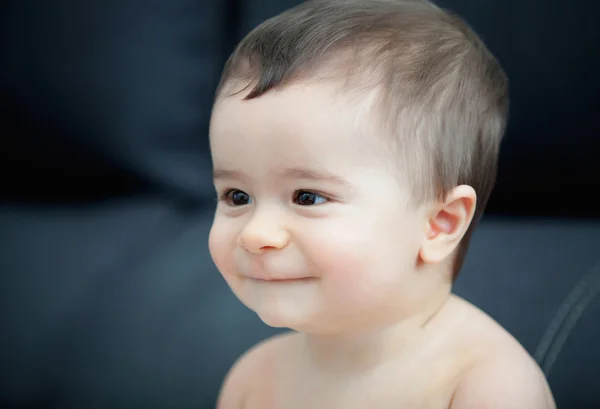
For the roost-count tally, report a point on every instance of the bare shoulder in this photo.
(246, 373)
(502, 374)
(507, 381)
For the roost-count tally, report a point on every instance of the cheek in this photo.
(221, 244)
(358, 257)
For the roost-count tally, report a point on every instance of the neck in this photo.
(362, 351)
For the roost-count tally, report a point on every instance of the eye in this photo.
(235, 197)
(308, 198)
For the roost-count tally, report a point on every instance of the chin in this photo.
(285, 319)
(274, 323)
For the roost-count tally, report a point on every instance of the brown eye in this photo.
(308, 198)
(238, 198)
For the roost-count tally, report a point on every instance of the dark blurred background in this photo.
(108, 297)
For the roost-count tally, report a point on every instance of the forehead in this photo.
(295, 123)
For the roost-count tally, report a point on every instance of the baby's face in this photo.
(312, 230)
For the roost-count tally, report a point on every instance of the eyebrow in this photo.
(315, 175)
(227, 174)
(289, 173)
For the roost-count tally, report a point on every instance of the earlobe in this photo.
(448, 224)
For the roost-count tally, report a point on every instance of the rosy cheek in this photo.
(213, 243)
(219, 246)
(341, 259)
(356, 258)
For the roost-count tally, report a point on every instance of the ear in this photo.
(448, 224)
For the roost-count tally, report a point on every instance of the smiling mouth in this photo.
(282, 280)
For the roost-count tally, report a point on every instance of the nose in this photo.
(262, 233)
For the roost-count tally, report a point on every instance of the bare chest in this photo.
(426, 386)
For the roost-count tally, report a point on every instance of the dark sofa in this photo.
(108, 295)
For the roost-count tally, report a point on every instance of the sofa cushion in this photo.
(105, 98)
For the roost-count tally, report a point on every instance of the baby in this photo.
(355, 145)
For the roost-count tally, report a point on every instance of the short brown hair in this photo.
(436, 81)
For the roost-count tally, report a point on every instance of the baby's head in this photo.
(355, 146)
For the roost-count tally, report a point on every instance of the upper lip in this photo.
(256, 269)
